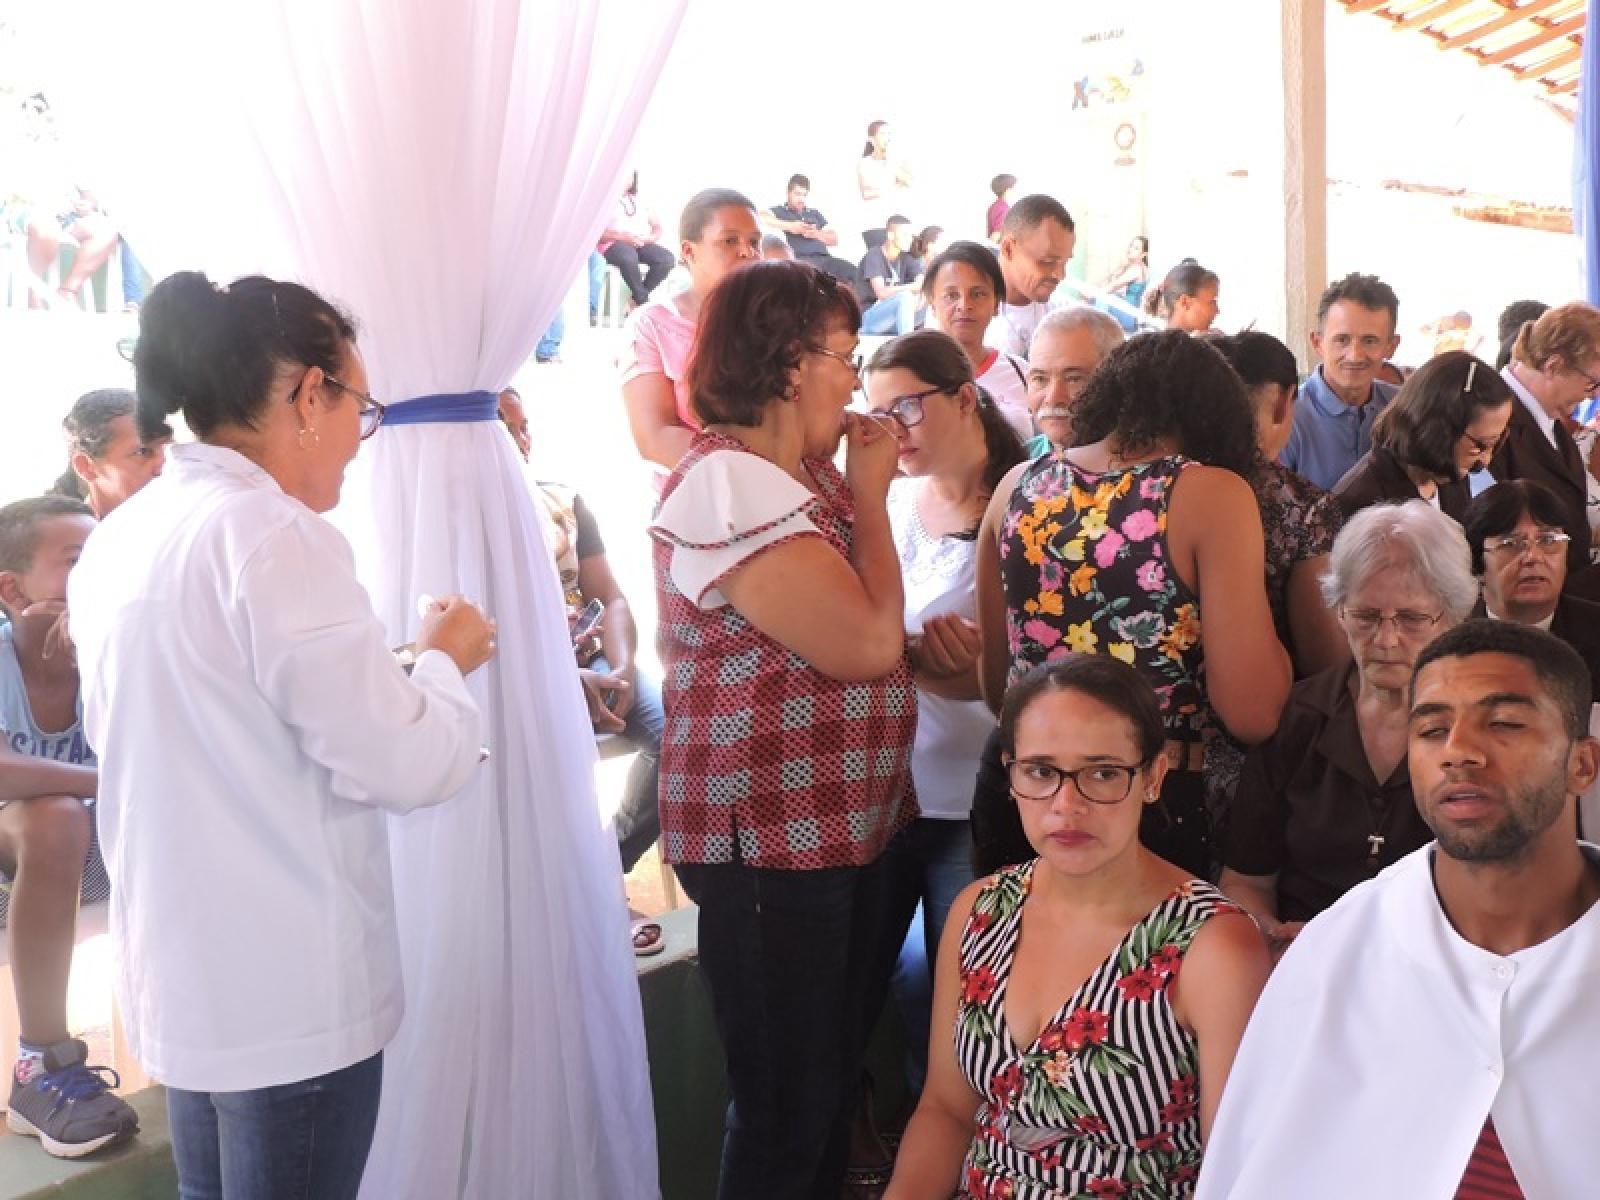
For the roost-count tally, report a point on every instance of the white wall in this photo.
(976, 89)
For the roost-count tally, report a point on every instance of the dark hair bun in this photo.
(182, 319)
(214, 353)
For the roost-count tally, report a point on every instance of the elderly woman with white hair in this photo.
(1326, 802)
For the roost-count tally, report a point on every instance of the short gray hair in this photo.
(1413, 536)
(1102, 327)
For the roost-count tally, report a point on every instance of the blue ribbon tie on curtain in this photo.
(444, 409)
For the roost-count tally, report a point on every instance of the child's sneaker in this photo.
(68, 1106)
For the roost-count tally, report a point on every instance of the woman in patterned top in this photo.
(955, 446)
(1142, 541)
(1299, 521)
(786, 765)
(1089, 1002)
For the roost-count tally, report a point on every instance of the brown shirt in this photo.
(1380, 478)
(1309, 808)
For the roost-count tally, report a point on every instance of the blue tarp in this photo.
(1586, 158)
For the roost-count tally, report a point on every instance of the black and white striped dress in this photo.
(1105, 1102)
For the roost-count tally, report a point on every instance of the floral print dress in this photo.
(1105, 1101)
(1083, 558)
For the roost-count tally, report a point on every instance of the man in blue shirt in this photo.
(1356, 322)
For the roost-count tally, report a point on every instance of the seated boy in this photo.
(47, 777)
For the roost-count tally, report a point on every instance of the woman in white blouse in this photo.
(955, 446)
(963, 287)
(254, 728)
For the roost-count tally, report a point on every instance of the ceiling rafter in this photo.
(1537, 41)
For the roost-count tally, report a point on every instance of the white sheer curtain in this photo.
(441, 168)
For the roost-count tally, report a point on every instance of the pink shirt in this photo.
(662, 343)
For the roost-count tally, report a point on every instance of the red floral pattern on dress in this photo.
(1141, 985)
(1089, 1108)
(978, 986)
(1086, 1028)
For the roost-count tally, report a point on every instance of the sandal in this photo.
(648, 939)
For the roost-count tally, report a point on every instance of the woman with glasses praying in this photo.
(955, 446)
(1519, 550)
(254, 728)
(1089, 1002)
(790, 712)
(1446, 422)
(1326, 802)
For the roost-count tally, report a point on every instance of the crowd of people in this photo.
(1192, 753)
(1199, 650)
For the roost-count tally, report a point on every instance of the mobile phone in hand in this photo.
(588, 621)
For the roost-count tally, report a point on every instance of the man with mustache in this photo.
(1067, 347)
(1432, 1035)
(1355, 336)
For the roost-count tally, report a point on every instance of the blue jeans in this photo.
(929, 864)
(550, 343)
(134, 278)
(308, 1139)
(895, 314)
(795, 964)
(639, 814)
(597, 283)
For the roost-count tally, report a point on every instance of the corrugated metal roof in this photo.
(1540, 41)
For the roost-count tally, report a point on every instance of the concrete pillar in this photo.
(1297, 232)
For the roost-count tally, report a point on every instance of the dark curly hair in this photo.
(755, 325)
(213, 353)
(1170, 385)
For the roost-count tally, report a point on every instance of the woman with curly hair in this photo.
(1143, 541)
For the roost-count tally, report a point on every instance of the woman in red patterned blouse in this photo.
(785, 766)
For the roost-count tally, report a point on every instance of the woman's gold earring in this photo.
(316, 438)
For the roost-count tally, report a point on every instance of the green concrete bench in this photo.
(686, 1076)
(140, 1170)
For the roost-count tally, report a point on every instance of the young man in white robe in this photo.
(1436, 1033)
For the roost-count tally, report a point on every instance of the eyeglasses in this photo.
(1548, 542)
(1367, 621)
(1098, 783)
(1483, 447)
(908, 410)
(1591, 384)
(853, 361)
(371, 411)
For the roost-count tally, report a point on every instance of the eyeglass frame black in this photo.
(918, 398)
(1062, 775)
(369, 403)
(1483, 447)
